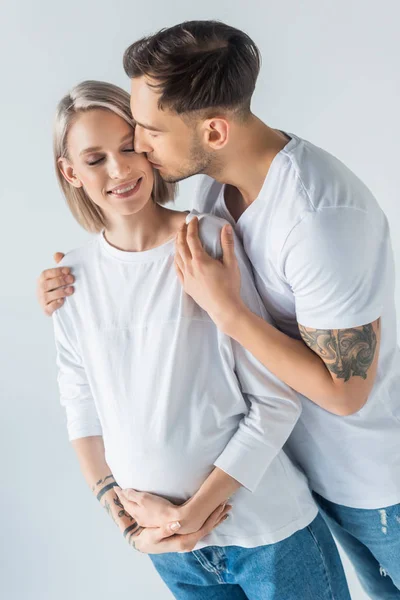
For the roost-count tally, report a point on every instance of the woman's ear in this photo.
(68, 172)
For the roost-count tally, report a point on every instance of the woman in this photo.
(160, 401)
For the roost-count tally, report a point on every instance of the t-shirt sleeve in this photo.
(273, 407)
(335, 261)
(75, 392)
(205, 194)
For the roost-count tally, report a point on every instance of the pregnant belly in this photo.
(174, 470)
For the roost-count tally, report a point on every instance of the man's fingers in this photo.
(56, 282)
(193, 240)
(58, 294)
(179, 272)
(58, 256)
(228, 245)
(181, 245)
(54, 272)
(179, 262)
(53, 306)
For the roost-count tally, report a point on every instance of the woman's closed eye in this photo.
(97, 161)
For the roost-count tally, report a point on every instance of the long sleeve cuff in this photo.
(245, 460)
(82, 423)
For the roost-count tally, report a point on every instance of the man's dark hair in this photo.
(198, 65)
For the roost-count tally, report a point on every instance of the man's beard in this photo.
(200, 162)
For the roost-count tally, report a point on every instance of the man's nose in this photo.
(141, 143)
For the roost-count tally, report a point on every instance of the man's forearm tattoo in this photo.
(346, 352)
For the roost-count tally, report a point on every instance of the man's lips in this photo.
(155, 165)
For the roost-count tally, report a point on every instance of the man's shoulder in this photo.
(324, 181)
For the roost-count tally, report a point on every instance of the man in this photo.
(320, 250)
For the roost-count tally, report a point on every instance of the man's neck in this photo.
(252, 149)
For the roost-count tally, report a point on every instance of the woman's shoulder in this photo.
(79, 256)
(210, 228)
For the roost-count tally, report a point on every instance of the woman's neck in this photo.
(151, 227)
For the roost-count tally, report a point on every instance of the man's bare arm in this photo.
(347, 353)
(335, 369)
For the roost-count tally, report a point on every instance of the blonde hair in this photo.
(86, 96)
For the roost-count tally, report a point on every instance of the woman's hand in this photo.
(147, 509)
(161, 539)
(150, 510)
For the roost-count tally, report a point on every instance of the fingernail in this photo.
(225, 517)
(175, 526)
(229, 230)
(65, 271)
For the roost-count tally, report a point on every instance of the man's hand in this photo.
(54, 285)
(150, 510)
(213, 284)
(161, 540)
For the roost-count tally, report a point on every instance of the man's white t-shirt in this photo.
(142, 365)
(320, 249)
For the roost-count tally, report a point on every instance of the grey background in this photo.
(330, 74)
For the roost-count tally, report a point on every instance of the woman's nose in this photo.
(120, 169)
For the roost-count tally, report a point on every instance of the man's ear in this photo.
(216, 132)
(68, 172)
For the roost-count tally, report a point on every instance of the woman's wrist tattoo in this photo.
(102, 481)
(100, 488)
(106, 489)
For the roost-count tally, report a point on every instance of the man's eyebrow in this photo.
(126, 137)
(147, 126)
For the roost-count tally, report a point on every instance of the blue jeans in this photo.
(305, 566)
(371, 539)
